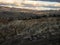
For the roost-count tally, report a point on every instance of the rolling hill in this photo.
(29, 27)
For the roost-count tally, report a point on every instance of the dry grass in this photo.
(18, 28)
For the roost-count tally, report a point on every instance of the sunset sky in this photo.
(32, 4)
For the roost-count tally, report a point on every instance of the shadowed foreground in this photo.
(40, 30)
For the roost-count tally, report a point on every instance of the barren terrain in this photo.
(29, 27)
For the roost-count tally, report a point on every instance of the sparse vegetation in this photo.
(19, 28)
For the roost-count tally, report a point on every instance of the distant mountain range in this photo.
(2, 8)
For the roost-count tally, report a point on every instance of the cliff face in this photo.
(19, 28)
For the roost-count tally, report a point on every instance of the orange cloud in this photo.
(58, 4)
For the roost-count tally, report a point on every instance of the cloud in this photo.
(39, 5)
(7, 1)
(49, 0)
(34, 3)
(42, 3)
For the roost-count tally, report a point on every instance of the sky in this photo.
(32, 4)
(50, 0)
